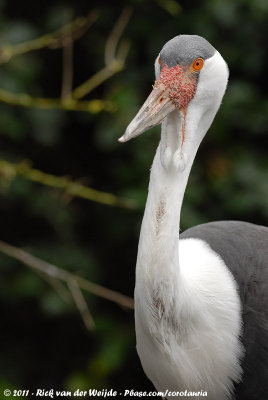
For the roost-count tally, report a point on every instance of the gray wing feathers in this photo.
(244, 249)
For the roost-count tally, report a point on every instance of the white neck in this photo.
(158, 256)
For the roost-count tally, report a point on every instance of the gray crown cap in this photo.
(184, 49)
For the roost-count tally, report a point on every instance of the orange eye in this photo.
(198, 64)
(159, 61)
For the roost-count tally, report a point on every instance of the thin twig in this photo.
(67, 66)
(64, 37)
(9, 171)
(76, 33)
(81, 304)
(57, 285)
(25, 100)
(114, 37)
(67, 71)
(114, 62)
(96, 80)
(173, 7)
(59, 273)
(123, 50)
(52, 40)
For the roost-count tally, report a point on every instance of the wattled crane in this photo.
(200, 301)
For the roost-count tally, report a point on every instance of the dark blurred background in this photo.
(43, 340)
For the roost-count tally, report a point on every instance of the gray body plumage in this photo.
(244, 249)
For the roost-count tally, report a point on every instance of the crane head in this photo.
(187, 65)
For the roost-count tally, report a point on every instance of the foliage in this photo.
(43, 341)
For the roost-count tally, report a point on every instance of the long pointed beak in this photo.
(157, 106)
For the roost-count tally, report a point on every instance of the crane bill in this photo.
(157, 106)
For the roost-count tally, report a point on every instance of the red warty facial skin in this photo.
(178, 85)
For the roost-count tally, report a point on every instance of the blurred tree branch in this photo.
(74, 282)
(25, 100)
(64, 38)
(65, 283)
(8, 171)
(67, 64)
(81, 304)
(53, 40)
(171, 6)
(114, 61)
